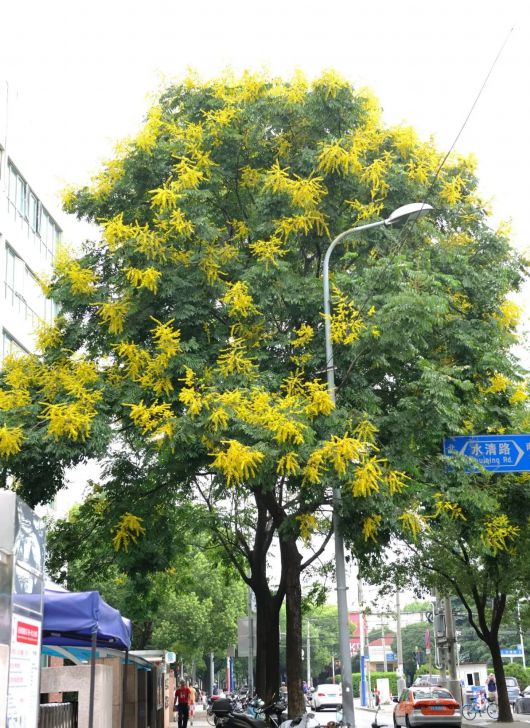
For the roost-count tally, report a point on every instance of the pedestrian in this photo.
(492, 688)
(182, 703)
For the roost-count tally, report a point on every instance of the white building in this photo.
(29, 235)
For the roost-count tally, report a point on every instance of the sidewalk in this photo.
(198, 720)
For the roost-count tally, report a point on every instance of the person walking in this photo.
(182, 703)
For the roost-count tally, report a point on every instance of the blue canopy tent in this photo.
(84, 619)
(76, 618)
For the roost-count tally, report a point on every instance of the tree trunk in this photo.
(505, 711)
(267, 644)
(291, 562)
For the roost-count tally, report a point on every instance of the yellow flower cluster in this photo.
(307, 524)
(304, 193)
(234, 359)
(498, 532)
(288, 464)
(267, 251)
(127, 531)
(113, 314)
(346, 322)
(304, 335)
(338, 453)
(370, 527)
(238, 300)
(368, 477)
(237, 462)
(413, 523)
(10, 440)
(453, 510)
(143, 278)
(156, 419)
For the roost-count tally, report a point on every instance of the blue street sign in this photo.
(390, 656)
(496, 453)
(513, 652)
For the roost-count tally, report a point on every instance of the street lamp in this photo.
(400, 216)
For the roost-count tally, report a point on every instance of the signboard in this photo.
(495, 453)
(513, 652)
(24, 665)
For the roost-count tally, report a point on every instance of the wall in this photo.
(77, 679)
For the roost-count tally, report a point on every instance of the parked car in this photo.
(326, 696)
(514, 691)
(526, 692)
(426, 705)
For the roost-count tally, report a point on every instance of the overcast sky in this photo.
(81, 73)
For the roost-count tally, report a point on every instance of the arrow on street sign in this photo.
(496, 453)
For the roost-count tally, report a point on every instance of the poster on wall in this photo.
(23, 686)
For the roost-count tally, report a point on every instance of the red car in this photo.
(424, 705)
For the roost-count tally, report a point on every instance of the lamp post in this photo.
(399, 217)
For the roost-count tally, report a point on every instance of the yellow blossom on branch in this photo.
(307, 524)
(238, 462)
(498, 383)
(304, 335)
(10, 440)
(288, 464)
(143, 278)
(319, 399)
(149, 417)
(413, 523)
(69, 419)
(234, 359)
(334, 158)
(396, 481)
(368, 477)
(113, 314)
(498, 532)
(370, 528)
(127, 531)
(167, 339)
(81, 280)
(238, 300)
(267, 251)
(453, 510)
(346, 322)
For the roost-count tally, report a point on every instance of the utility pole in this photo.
(308, 649)
(212, 673)
(401, 684)
(250, 643)
(521, 641)
(362, 659)
(453, 682)
(333, 669)
(383, 642)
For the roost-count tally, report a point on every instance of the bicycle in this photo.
(471, 710)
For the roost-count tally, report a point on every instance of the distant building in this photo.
(29, 235)
(377, 649)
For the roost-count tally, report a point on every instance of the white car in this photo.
(326, 696)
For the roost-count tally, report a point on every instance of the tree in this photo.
(192, 331)
(173, 584)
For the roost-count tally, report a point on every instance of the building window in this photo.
(10, 346)
(23, 292)
(26, 207)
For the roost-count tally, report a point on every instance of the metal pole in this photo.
(453, 682)
(92, 680)
(342, 601)
(362, 659)
(383, 643)
(124, 689)
(250, 643)
(401, 684)
(333, 669)
(212, 673)
(308, 648)
(521, 641)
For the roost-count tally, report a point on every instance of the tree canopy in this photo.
(190, 336)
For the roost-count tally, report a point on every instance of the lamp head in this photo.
(408, 212)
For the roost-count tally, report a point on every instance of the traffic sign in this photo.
(496, 453)
(513, 652)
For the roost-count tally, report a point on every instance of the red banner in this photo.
(28, 634)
